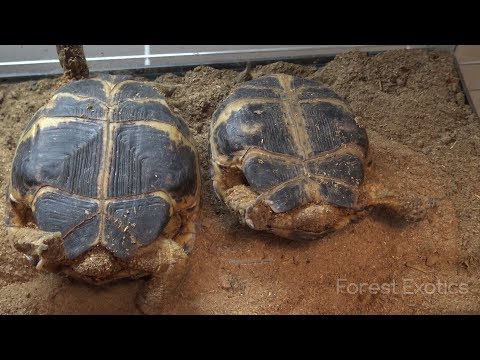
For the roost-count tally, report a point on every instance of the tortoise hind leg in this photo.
(42, 248)
(395, 180)
(407, 205)
(168, 266)
(30, 241)
(241, 199)
(167, 262)
(18, 214)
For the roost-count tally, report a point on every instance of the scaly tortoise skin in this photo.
(108, 165)
(289, 157)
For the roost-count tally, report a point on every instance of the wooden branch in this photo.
(72, 59)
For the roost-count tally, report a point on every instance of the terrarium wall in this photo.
(29, 60)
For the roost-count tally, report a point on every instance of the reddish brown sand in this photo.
(424, 138)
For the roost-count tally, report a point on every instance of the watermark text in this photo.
(403, 286)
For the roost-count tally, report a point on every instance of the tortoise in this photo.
(110, 178)
(289, 156)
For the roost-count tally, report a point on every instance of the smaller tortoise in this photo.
(110, 177)
(289, 157)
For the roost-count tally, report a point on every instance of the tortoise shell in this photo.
(105, 162)
(295, 140)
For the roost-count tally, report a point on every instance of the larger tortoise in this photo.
(289, 157)
(110, 177)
